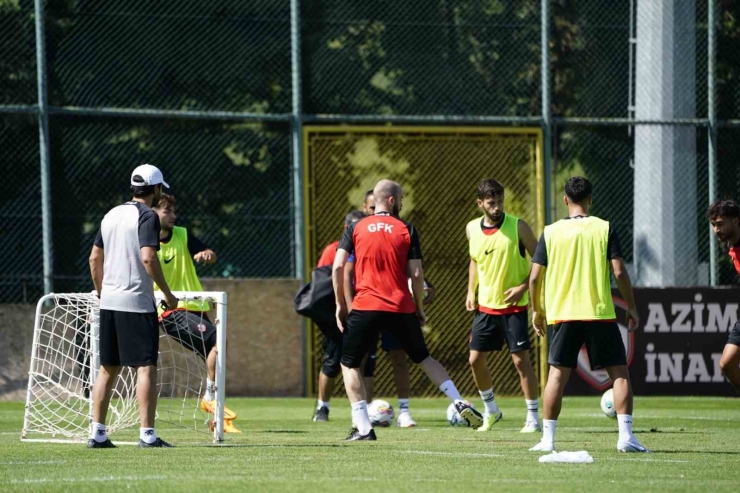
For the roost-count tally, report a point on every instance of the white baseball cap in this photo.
(150, 176)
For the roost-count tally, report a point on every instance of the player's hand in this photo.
(341, 317)
(470, 302)
(539, 323)
(421, 316)
(633, 319)
(171, 301)
(204, 257)
(512, 296)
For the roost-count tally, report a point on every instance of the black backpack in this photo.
(315, 300)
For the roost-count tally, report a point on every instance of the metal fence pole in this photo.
(43, 106)
(712, 115)
(546, 110)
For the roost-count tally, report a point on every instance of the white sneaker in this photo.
(631, 445)
(543, 446)
(531, 427)
(405, 420)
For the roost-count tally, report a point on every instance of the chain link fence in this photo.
(439, 169)
(216, 95)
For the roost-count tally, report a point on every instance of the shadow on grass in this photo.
(296, 432)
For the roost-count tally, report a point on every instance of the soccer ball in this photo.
(380, 413)
(454, 418)
(607, 404)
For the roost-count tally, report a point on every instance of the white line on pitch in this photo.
(450, 454)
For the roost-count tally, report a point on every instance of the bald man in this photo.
(387, 253)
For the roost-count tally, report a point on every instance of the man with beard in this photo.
(123, 263)
(188, 323)
(498, 244)
(724, 216)
(387, 252)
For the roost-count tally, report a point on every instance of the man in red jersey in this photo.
(724, 216)
(387, 253)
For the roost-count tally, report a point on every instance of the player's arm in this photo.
(201, 253)
(415, 272)
(472, 278)
(349, 284)
(97, 257)
(149, 245)
(536, 284)
(337, 280)
(529, 242)
(622, 278)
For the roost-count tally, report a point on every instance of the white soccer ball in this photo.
(454, 418)
(607, 404)
(380, 413)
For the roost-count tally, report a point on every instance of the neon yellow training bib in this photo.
(179, 269)
(500, 263)
(577, 282)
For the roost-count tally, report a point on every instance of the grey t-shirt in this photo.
(125, 230)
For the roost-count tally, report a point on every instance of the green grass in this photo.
(696, 444)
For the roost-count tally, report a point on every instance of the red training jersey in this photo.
(327, 256)
(382, 245)
(735, 256)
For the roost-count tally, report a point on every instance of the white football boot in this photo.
(405, 420)
(543, 446)
(631, 445)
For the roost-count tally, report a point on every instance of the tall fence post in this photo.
(546, 108)
(296, 129)
(712, 116)
(43, 115)
(546, 149)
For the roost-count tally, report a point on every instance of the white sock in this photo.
(403, 406)
(147, 435)
(98, 432)
(210, 390)
(625, 426)
(548, 430)
(450, 391)
(489, 401)
(532, 410)
(360, 418)
(321, 404)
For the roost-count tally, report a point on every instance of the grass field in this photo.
(696, 444)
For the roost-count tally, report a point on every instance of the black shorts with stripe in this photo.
(490, 331)
(362, 329)
(193, 330)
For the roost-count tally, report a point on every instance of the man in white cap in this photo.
(123, 264)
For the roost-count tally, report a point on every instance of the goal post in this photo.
(65, 359)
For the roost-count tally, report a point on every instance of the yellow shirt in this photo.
(179, 269)
(500, 262)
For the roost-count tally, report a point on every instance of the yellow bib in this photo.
(179, 269)
(577, 282)
(500, 263)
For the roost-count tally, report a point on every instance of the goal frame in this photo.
(218, 297)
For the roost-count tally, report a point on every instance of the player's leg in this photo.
(566, 340)
(485, 336)
(730, 361)
(516, 329)
(401, 375)
(360, 333)
(406, 328)
(139, 348)
(368, 371)
(330, 368)
(110, 365)
(606, 350)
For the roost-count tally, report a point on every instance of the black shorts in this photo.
(489, 332)
(603, 342)
(193, 330)
(361, 334)
(734, 337)
(128, 339)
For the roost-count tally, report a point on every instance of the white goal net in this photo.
(65, 361)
